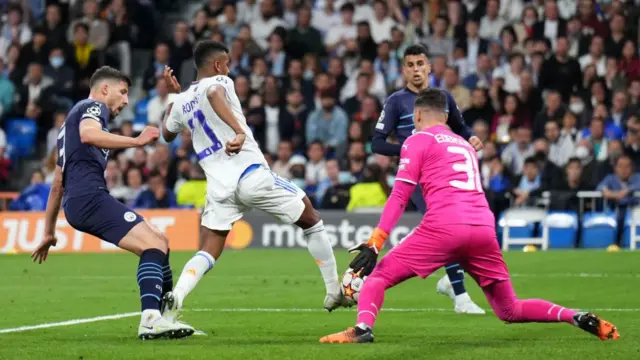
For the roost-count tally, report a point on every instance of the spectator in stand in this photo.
(180, 48)
(386, 64)
(158, 103)
(508, 118)
(564, 197)
(620, 112)
(372, 192)
(614, 43)
(98, 29)
(265, 23)
(491, 23)
(35, 98)
(157, 196)
(325, 18)
(86, 59)
(304, 38)
(596, 56)
(561, 72)
(14, 31)
(550, 173)
(213, 8)
(315, 170)
(36, 50)
(518, 150)
(528, 186)
(338, 34)
(480, 109)
(62, 74)
(328, 124)
(629, 64)
(553, 110)
(7, 91)
(193, 192)
(473, 44)
(560, 149)
(59, 117)
(276, 57)
(119, 45)
(230, 24)
(579, 40)
(161, 58)
(282, 166)
(451, 83)
(334, 193)
(438, 43)
(552, 26)
(293, 124)
(618, 188)
(135, 185)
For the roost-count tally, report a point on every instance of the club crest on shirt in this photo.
(94, 110)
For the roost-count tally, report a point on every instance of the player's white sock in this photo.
(320, 248)
(192, 272)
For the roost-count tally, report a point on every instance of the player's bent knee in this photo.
(142, 237)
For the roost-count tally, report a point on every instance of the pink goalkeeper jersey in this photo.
(445, 166)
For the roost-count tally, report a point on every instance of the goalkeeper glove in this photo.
(368, 252)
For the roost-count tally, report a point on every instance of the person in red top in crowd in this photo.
(508, 117)
(591, 20)
(629, 65)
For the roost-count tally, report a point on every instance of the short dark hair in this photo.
(317, 142)
(416, 49)
(347, 7)
(108, 73)
(80, 25)
(431, 99)
(574, 160)
(206, 48)
(531, 161)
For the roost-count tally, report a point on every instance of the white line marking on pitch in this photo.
(311, 277)
(69, 322)
(263, 310)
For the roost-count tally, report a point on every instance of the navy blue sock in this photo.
(456, 276)
(167, 275)
(150, 278)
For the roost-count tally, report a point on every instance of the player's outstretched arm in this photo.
(91, 133)
(393, 210)
(51, 217)
(168, 135)
(218, 100)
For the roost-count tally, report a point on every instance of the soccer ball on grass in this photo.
(352, 285)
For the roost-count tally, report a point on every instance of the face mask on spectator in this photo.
(344, 178)
(582, 152)
(308, 75)
(576, 108)
(299, 182)
(56, 61)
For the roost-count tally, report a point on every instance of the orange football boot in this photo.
(350, 336)
(603, 329)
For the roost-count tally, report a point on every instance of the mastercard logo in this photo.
(240, 236)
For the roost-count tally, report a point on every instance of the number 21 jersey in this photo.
(191, 109)
(445, 166)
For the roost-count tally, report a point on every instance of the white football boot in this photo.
(333, 301)
(171, 305)
(462, 303)
(154, 326)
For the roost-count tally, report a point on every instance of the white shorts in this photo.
(260, 189)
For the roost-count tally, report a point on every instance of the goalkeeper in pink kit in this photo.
(457, 228)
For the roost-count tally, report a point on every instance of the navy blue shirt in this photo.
(397, 117)
(82, 165)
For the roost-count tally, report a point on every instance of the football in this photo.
(351, 285)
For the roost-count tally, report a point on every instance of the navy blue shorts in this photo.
(418, 200)
(101, 215)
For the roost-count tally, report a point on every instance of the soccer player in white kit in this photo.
(238, 177)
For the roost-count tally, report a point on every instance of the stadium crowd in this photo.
(551, 87)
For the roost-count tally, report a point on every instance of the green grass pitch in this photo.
(266, 304)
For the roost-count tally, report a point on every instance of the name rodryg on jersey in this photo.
(189, 106)
(444, 138)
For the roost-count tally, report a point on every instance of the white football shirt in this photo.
(191, 109)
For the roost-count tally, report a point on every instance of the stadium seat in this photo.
(518, 225)
(628, 228)
(21, 137)
(598, 230)
(561, 229)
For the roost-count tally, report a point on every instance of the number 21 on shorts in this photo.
(470, 167)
